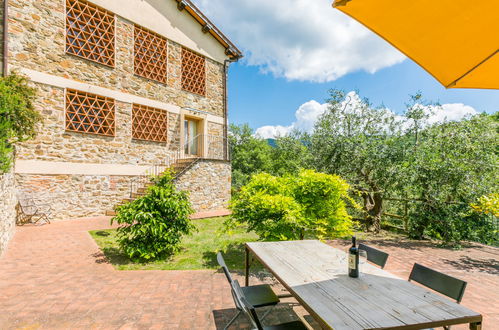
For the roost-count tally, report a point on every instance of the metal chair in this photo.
(258, 295)
(447, 285)
(250, 312)
(375, 256)
(30, 212)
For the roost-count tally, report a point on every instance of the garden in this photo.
(362, 170)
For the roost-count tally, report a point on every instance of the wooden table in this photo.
(316, 275)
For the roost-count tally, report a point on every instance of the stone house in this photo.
(126, 88)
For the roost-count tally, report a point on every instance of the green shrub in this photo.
(323, 199)
(452, 223)
(153, 225)
(287, 208)
(18, 119)
(487, 204)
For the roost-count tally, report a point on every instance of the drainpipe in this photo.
(226, 97)
(5, 35)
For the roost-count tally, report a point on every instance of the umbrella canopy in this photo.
(456, 41)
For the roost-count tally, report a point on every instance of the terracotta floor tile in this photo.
(53, 277)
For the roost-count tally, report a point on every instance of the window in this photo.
(89, 113)
(193, 72)
(89, 32)
(149, 123)
(150, 55)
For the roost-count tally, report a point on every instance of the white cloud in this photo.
(308, 113)
(450, 112)
(270, 132)
(300, 39)
(306, 116)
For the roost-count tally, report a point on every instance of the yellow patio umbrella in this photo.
(456, 41)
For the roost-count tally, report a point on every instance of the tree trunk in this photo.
(373, 206)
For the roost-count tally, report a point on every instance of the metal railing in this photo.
(206, 147)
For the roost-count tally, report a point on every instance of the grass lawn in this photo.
(198, 251)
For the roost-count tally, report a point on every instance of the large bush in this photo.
(451, 166)
(18, 118)
(290, 207)
(152, 226)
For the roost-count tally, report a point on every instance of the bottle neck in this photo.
(354, 241)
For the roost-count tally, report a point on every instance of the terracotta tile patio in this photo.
(55, 277)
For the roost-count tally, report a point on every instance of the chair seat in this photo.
(295, 325)
(260, 295)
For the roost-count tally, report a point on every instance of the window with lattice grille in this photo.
(89, 113)
(90, 32)
(150, 54)
(193, 72)
(149, 123)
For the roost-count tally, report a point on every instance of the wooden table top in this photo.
(316, 275)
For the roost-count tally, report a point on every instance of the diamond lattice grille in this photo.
(89, 113)
(150, 55)
(193, 72)
(89, 32)
(149, 123)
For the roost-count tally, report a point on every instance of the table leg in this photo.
(247, 266)
(476, 326)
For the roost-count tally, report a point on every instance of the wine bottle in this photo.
(353, 260)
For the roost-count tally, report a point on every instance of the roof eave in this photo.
(208, 27)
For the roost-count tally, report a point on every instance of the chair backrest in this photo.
(247, 308)
(447, 285)
(222, 264)
(27, 204)
(375, 256)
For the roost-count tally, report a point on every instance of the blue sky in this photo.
(296, 50)
(261, 99)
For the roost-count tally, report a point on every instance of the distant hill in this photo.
(271, 143)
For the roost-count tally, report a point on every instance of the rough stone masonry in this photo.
(37, 40)
(8, 201)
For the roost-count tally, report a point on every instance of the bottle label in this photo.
(351, 261)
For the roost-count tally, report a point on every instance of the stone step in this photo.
(110, 213)
(185, 160)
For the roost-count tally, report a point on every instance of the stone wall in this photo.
(54, 143)
(75, 196)
(208, 182)
(37, 42)
(1, 36)
(8, 201)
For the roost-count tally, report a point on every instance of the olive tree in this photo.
(364, 145)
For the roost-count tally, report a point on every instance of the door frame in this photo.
(202, 130)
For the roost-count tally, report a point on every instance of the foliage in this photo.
(285, 208)
(153, 225)
(265, 205)
(452, 165)
(290, 154)
(197, 251)
(18, 119)
(439, 169)
(487, 204)
(362, 144)
(323, 200)
(249, 154)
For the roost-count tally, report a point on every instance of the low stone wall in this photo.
(8, 203)
(75, 196)
(208, 182)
